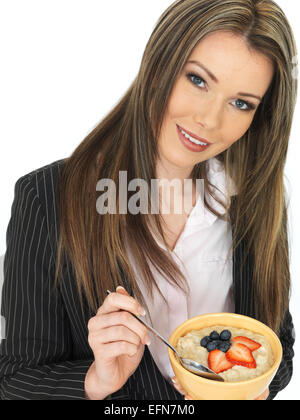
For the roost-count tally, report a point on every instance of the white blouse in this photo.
(202, 254)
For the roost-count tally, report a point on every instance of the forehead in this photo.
(229, 58)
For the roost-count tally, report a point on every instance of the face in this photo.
(212, 105)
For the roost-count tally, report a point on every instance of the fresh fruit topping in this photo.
(224, 346)
(217, 341)
(212, 345)
(214, 336)
(241, 355)
(218, 362)
(252, 345)
(205, 341)
(225, 335)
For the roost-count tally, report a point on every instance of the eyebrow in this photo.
(213, 77)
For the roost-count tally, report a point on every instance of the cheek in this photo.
(181, 103)
(235, 130)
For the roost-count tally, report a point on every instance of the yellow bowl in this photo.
(204, 389)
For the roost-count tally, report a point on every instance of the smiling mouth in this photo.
(193, 138)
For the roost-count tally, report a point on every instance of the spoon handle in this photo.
(152, 329)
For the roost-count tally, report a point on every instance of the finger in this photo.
(119, 301)
(179, 389)
(178, 386)
(116, 349)
(99, 324)
(118, 333)
(264, 396)
(120, 289)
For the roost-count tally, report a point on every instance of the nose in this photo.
(209, 114)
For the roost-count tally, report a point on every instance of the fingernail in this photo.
(120, 287)
(174, 381)
(142, 311)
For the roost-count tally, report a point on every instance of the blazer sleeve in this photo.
(285, 371)
(36, 353)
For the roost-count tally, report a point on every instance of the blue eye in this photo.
(196, 80)
(249, 106)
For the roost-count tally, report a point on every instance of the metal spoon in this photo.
(189, 364)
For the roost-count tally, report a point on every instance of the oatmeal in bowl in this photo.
(244, 351)
(235, 354)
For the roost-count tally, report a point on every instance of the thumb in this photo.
(121, 289)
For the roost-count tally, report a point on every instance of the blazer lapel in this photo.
(242, 278)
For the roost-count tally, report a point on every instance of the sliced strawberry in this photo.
(252, 345)
(239, 354)
(218, 362)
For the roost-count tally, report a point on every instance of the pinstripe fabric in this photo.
(46, 353)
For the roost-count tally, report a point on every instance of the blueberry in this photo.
(224, 346)
(204, 342)
(214, 336)
(225, 335)
(212, 345)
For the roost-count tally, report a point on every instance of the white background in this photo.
(65, 64)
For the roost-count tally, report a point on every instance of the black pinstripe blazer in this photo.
(46, 353)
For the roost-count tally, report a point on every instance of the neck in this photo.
(166, 170)
(169, 172)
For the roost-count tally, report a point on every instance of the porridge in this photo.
(235, 354)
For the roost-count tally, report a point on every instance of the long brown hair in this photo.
(126, 140)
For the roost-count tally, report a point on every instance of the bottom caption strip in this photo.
(150, 409)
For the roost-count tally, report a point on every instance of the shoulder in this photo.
(44, 178)
(41, 183)
(40, 186)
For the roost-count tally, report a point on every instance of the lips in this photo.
(188, 144)
(194, 135)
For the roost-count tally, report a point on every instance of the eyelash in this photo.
(250, 106)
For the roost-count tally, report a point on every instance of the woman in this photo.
(221, 72)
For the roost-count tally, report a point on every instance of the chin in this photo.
(177, 159)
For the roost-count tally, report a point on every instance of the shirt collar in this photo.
(200, 216)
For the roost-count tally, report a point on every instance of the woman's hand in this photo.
(118, 343)
(179, 388)
(263, 396)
